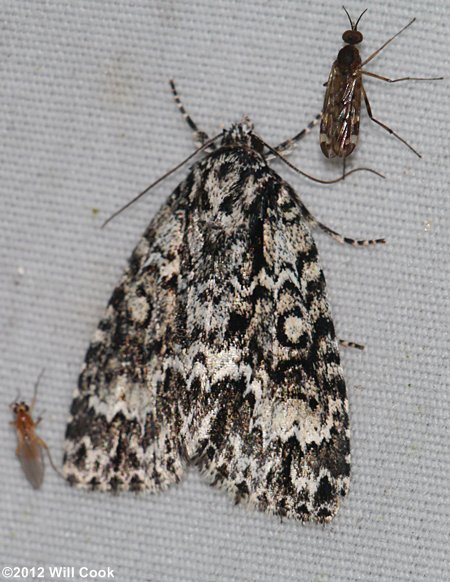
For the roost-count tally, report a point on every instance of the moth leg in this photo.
(388, 80)
(335, 235)
(288, 145)
(200, 137)
(348, 344)
(384, 126)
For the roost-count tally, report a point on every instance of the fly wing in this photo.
(339, 128)
(269, 423)
(31, 459)
(123, 431)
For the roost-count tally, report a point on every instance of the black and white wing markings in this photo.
(217, 348)
(269, 421)
(124, 429)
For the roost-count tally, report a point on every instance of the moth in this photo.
(30, 446)
(217, 348)
(339, 128)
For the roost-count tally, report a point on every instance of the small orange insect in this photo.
(29, 445)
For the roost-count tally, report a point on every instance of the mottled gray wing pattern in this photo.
(268, 420)
(124, 429)
(339, 128)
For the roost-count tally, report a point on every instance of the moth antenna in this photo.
(298, 171)
(159, 180)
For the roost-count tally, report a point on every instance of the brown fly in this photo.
(30, 446)
(339, 128)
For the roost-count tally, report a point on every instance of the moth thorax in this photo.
(348, 58)
(241, 134)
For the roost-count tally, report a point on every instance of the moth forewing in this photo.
(217, 348)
